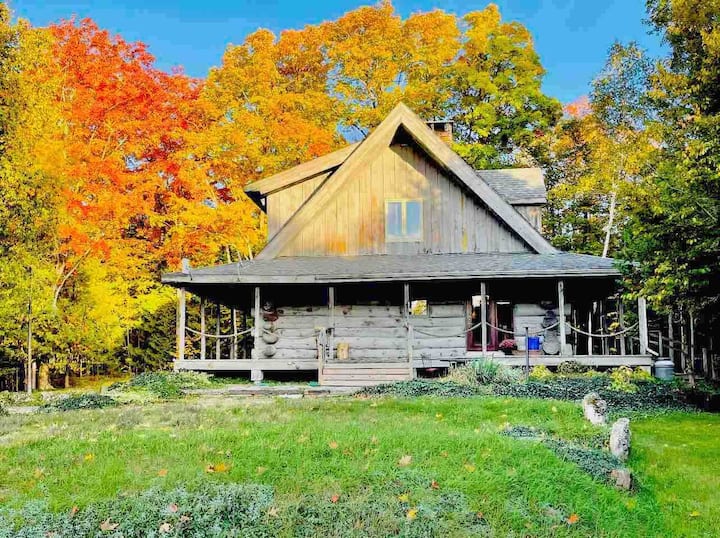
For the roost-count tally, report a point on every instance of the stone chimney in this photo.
(443, 129)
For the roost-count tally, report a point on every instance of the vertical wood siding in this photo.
(354, 222)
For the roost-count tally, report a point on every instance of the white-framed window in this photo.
(403, 220)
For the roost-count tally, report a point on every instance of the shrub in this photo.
(648, 396)
(211, 510)
(540, 372)
(463, 375)
(74, 402)
(489, 371)
(596, 463)
(163, 385)
(423, 387)
(571, 368)
(622, 380)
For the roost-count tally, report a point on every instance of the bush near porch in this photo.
(362, 466)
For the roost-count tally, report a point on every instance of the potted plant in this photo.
(507, 346)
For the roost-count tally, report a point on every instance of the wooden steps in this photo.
(363, 374)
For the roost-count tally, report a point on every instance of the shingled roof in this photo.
(518, 186)
(417, 267)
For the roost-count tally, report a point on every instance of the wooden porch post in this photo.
(643, 327)
(217, 332)
(561, 315)
(203, 338)
(331, 328)
(181, 318)
(483, 316)
(671, 338)
(257, 375)
(621, 323)
(590, 340)
(408, 327)
(180, 326)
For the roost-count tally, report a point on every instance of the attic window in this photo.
(403, 220)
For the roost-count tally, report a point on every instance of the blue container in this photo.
(533, 343)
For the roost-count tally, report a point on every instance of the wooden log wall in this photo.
(374, 333)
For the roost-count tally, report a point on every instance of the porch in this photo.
(369, 331)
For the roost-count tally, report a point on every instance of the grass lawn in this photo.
(372, 458)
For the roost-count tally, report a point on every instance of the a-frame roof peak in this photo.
(439, 151)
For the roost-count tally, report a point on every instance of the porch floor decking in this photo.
(289, 365)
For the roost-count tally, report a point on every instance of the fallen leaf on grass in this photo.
(438, 415)
(469, 467)
(411, 514)
(694, 513)
(38, 473)
(261, 470)
(403, 498)
(89, 457)
(335, 498)
(165, 528)
(434, 485)
(333, 445)
(107, 526)
(173, 507)
(405, 461)
(273, 511)
(73, 511)
(162, 472)
(216, 468)
(574, 518)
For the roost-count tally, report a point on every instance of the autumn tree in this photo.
(598, 155)
(675, 229)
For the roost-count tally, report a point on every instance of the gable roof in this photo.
(301, 172)
(519, 186)
(446, 158)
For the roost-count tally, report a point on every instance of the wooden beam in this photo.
(301, 172)
(180, 325)
(217, 332)
(590, 340)
(257, 329)
(203, 328)
(408, 325)
(331, 323)
(483, 316)
(643, 326)
(561, 316)
(671, 338)
(621, 323)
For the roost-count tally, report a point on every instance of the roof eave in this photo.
(184, 279)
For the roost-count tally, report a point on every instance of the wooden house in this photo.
(393, 255)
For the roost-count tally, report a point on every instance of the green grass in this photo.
(352, 448)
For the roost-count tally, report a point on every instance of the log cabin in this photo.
(392, 257)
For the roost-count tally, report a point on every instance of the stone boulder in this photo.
(595, 408)
(620, 439)
(622, 478)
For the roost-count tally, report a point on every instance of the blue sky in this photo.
(571, 36)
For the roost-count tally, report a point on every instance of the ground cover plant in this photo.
(159, 385)
(366, 466)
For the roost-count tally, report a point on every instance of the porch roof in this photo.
(417, 267)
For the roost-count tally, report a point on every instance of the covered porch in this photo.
(394, 320)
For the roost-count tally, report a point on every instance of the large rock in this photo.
(595, 408)
(620, 439)
(622, 478)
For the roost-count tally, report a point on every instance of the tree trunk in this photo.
(44, 377)
(67, 376)
(611, 217)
